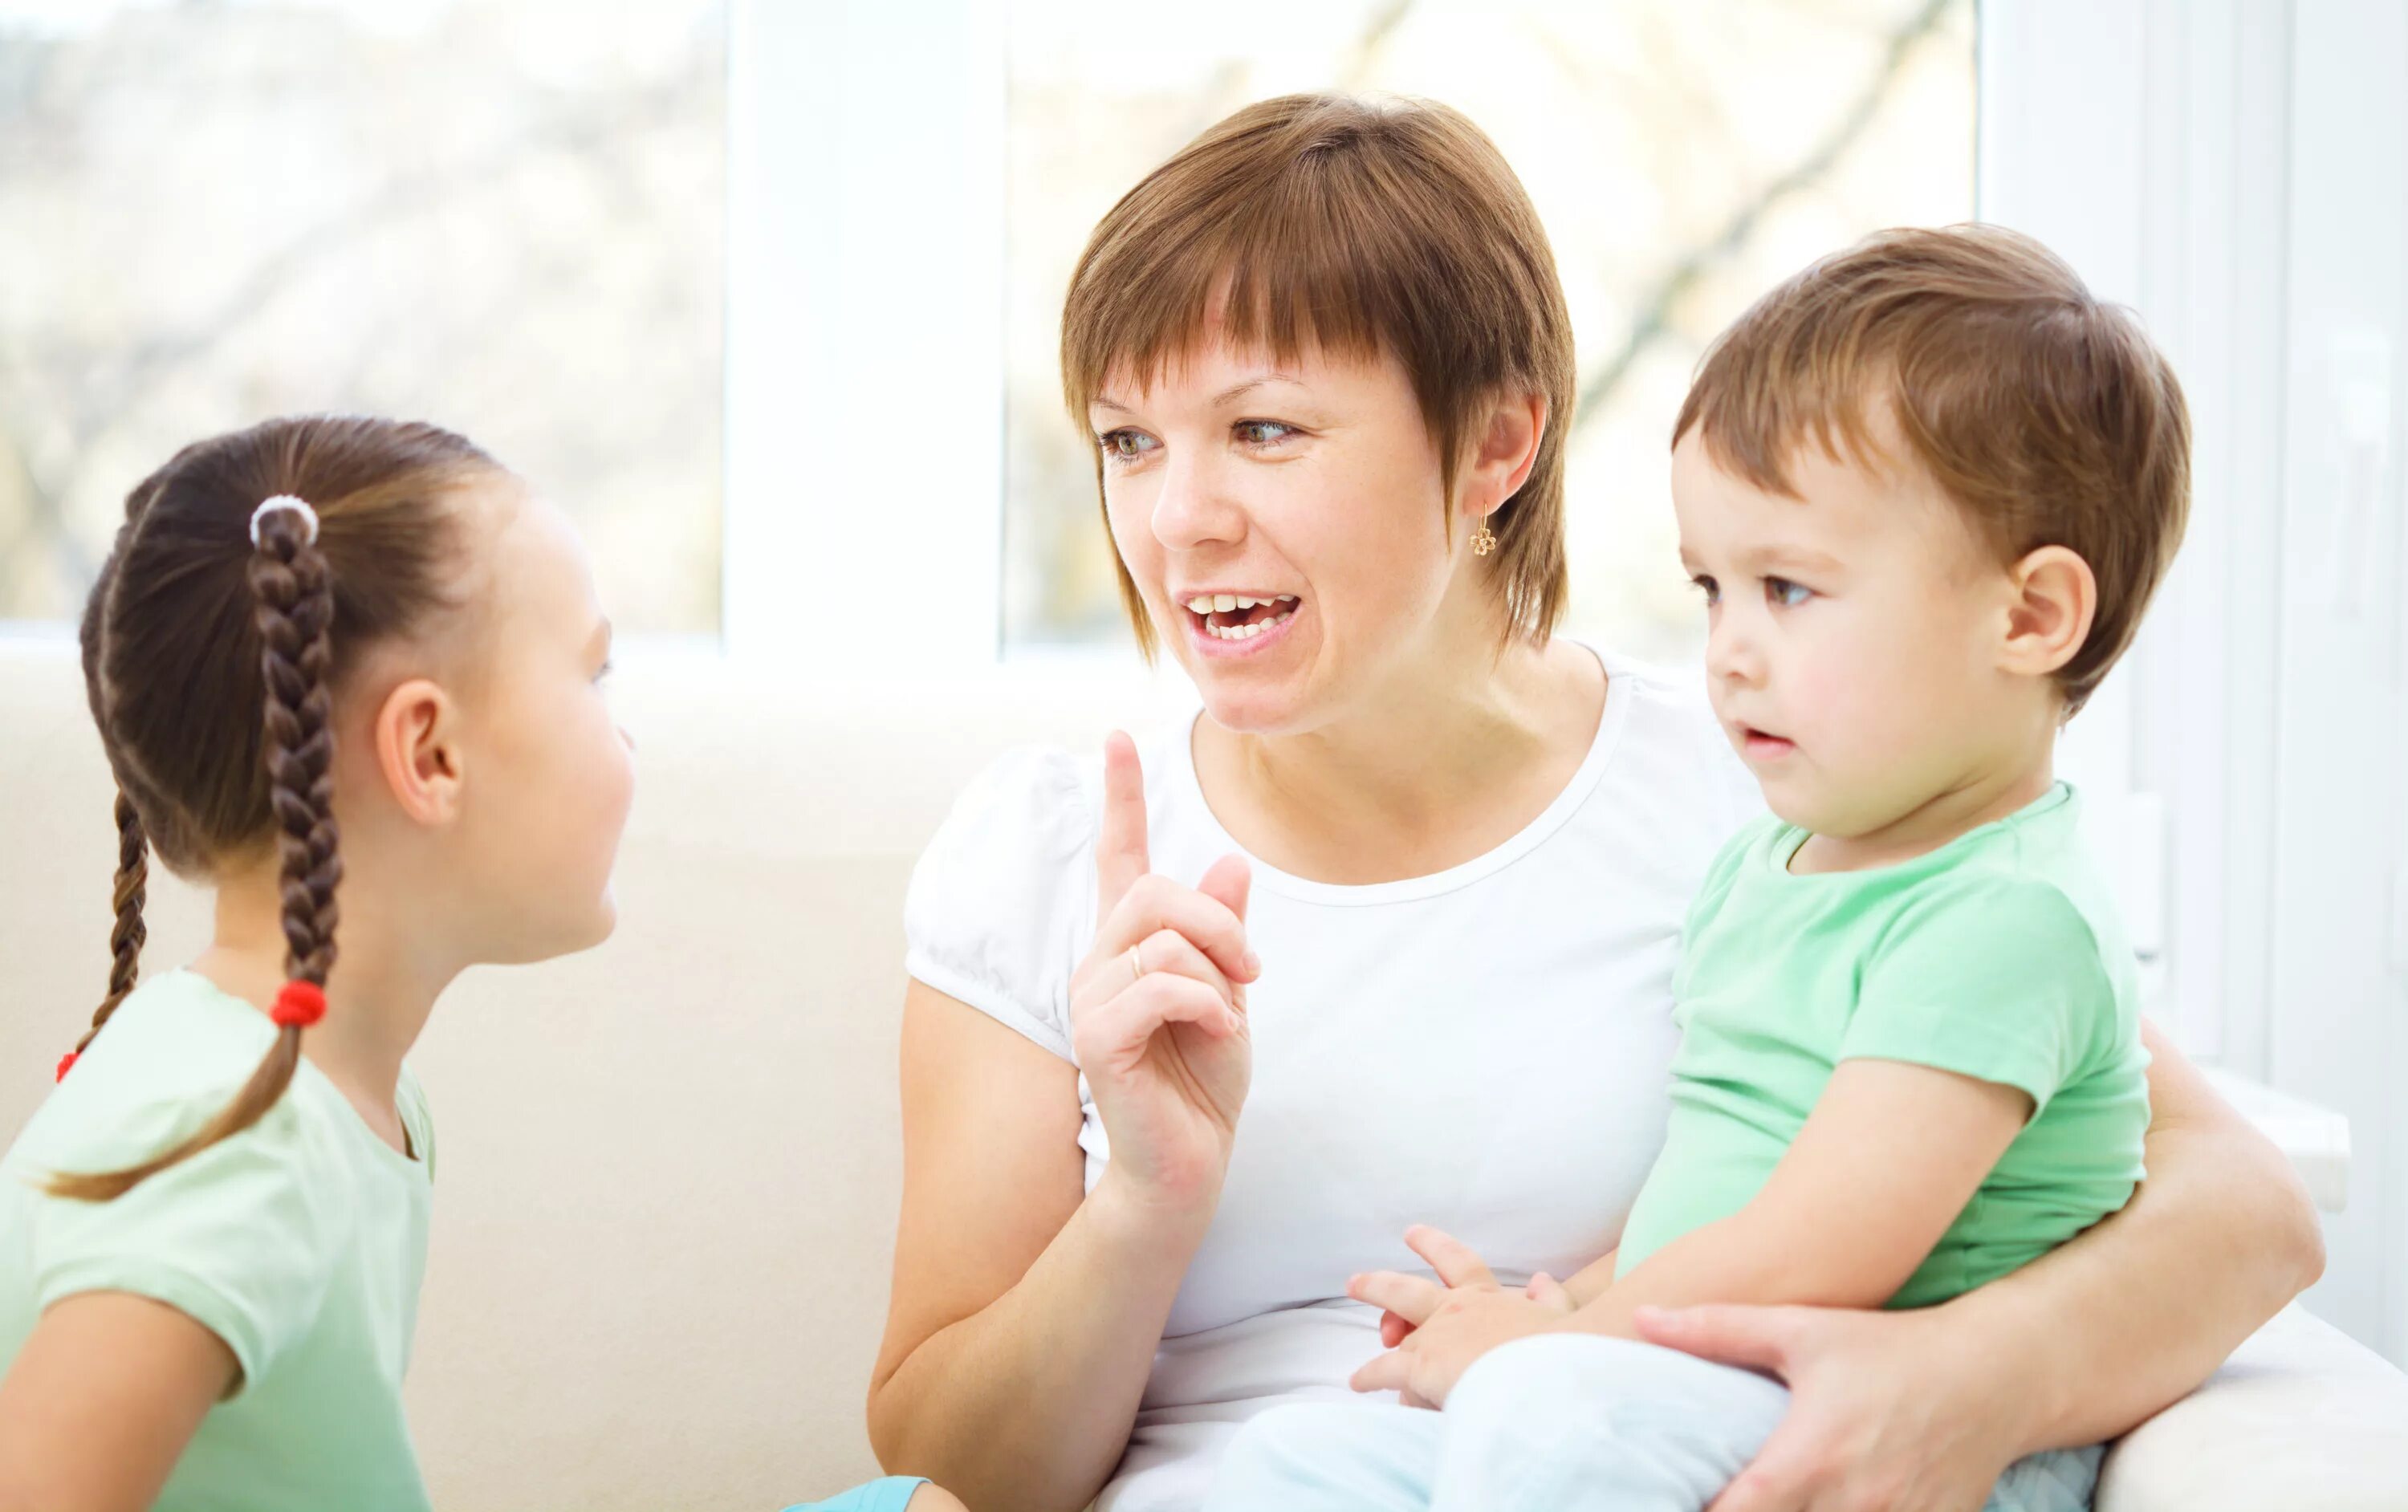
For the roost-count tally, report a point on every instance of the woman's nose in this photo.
(1194, 508)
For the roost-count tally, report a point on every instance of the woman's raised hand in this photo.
(1158, 1008)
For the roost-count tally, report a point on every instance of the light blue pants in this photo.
(1557, 1423)
(893, 1494)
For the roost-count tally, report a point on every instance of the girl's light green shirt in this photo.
(300, 1242)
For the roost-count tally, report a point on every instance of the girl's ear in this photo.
(417, 750)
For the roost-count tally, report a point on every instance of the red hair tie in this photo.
(66, 1063)
(298, 1004)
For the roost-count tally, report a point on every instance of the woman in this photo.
(1325, 354)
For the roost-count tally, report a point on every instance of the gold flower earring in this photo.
(1484, 540)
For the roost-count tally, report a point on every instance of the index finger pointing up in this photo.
(1120, 842)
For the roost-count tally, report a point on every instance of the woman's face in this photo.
(1286, 527)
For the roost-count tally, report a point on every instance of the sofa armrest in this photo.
(2302, 1418)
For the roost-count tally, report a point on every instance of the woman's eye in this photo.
(1707, 586)
(1124, 445)
(1263, 432)
(603, 675)
(1787, 595)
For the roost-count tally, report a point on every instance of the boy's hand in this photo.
(1459, 1265)
(1465, 1325)
(1419, 1363)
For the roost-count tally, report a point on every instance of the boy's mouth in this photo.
(1235, 616)
(1763, 745)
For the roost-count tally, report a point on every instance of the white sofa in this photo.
(668, 1168)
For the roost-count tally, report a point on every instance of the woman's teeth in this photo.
(1205, 606)
(1244, 632)
(1230, 603)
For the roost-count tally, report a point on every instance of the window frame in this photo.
(2153, 157)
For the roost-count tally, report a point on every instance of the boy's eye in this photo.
(1706, 585)
(1263, 432)
(1786, 593)
(603, 675)
(1124, 445)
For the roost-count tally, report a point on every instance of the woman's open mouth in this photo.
(1233, 622)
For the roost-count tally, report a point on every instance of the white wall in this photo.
(2238, 171)
(2338, 1028)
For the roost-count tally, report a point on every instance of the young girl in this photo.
(328, 658)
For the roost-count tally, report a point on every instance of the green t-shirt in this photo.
(299, 1242)
(1997, 956)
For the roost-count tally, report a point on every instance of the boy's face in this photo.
(1855, 637)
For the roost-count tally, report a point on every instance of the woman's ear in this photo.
(2053, 600)
(1506, 451)
(417, 737)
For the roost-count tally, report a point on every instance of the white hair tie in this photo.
(285, 501)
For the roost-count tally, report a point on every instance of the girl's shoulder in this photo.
(242, 1237)
(171, 1057)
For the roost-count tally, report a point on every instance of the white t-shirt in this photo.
(1486, 1048)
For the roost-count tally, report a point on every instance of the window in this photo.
(1683, 155)
(501, 215)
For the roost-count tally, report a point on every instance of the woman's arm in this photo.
(2128, 1318)
(1025, 1319)
(101, 1399)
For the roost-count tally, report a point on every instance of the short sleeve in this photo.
(1002, 903)
(241, 1237)
(1997, 978)
(417, 1118)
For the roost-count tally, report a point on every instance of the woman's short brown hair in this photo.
(2047, 416)
(1357, 226)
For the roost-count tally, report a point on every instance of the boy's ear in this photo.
(417, 738)
(2053, 601)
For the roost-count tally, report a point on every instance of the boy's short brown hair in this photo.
(1362, 227)
(2047, 416)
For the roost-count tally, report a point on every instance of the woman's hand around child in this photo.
(1885, 1413)
(1434, 1329)
(1158, 1008)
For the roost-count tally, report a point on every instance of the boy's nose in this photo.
(1731, 654)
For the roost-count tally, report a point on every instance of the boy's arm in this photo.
(1890, 1155)
(1589, 1282)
